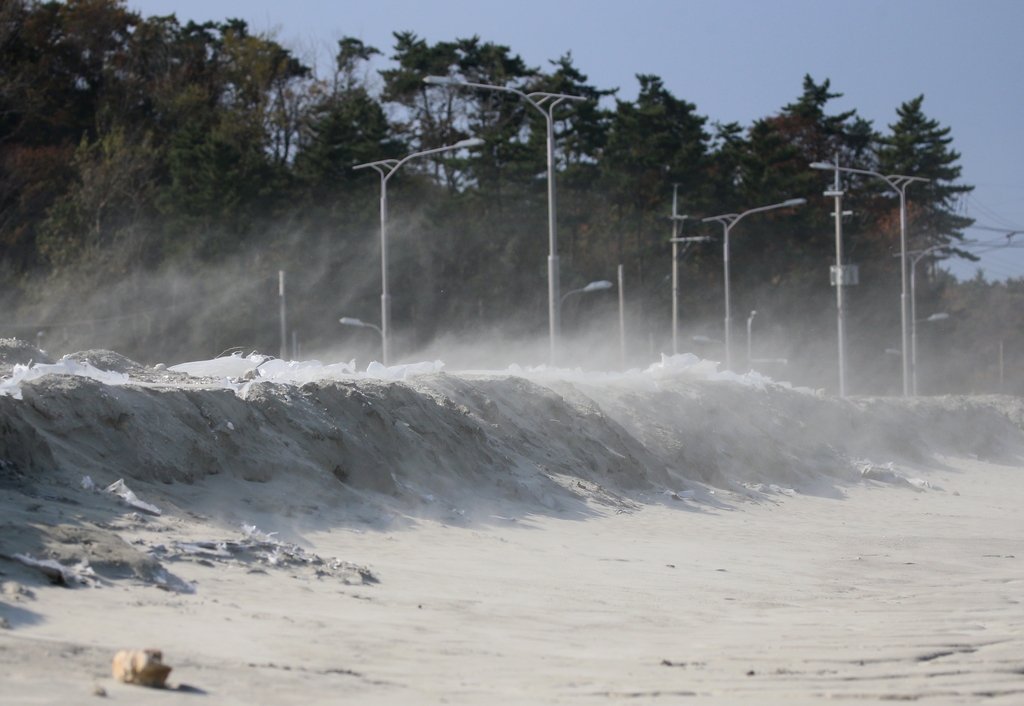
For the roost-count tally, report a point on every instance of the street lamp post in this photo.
(940, 316)
(280, 293)
(622, 319)
(592, 287)
(750, 347)
(545, 103)
(916, 257)
(350, 321)
(899, 184)
(386, 168)
(728, 220)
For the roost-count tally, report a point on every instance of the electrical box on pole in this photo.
(850, 275)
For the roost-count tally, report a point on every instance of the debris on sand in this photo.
(769, 488)
(922, 483)
(122, 491)
(263, 548)
(81, 574)
(886, 474)
(142, 667)
(80, 555)
(681, 495)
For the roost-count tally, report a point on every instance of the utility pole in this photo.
(838, 278)
(675, 268)
(676, 253)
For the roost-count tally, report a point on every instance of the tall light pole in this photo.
(386, 168)
(728, 220)
(622, 320)
(592, 287)
(545, 103)
(915, 257)
(351, 321)
(280, 293)
(899, 184)
(940, 316)
(750, 345)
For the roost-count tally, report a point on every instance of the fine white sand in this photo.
(883, 593)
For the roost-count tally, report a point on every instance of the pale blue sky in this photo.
(738, 61)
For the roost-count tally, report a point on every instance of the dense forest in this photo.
(155, 175)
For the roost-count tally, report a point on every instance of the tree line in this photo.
(135, 146)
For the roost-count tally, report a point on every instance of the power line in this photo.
(988, 212)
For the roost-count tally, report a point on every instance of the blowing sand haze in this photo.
(301, 533)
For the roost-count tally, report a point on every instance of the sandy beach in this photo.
(852, 587)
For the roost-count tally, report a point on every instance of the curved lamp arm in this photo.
(592, 287)
(391, 165)
(897, 181)
(536, 98)
(349, 321)
(730, 219)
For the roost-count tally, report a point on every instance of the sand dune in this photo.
(507, 537)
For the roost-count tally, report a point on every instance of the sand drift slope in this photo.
(527, 437)
(291, 532)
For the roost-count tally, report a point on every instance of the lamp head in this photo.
(441, 80)
(794, 202)
(821, 165)
(470, 142)
(349, 321)
(600, 284)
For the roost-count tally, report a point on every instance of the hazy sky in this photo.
(738, 61)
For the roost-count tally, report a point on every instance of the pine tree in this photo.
(918, 146)
(346, 126)
(653, 142)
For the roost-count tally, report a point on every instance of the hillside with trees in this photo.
(155, 174)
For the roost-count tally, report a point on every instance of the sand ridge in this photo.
(490, 538)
